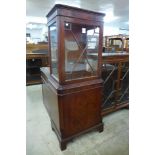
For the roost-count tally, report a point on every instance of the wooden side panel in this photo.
(50, 101)
(81, 110)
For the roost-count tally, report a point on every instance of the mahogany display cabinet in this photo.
(115, 74)
(72, 86)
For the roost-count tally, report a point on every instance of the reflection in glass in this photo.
(81, 41)
(54, 48)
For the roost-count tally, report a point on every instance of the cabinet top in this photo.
(74, 12)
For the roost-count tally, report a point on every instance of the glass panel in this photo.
(81, 50)
(112, 93)
(54, 50)
(124, 83)
(110, 78)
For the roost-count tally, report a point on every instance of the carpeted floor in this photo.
(41, 140)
